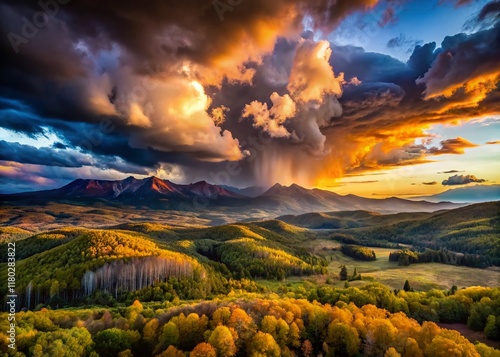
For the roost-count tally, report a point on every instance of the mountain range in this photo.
(156, 193)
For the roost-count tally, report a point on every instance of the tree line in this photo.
(406, 257)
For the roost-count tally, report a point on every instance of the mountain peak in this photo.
(159, 185)
(275, 189)
(200, 183)
(295, 186)
(280, 190)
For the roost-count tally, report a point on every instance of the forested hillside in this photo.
(73, 265)
(98, 260)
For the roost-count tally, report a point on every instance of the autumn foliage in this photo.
(259, 327)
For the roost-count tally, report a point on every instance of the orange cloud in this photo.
(452, 146)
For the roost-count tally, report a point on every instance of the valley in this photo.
(81, 260)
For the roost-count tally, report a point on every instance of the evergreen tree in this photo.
(407, 287)
(343, 273)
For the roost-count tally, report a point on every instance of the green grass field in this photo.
(421, 276)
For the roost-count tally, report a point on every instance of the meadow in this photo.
(421, 276)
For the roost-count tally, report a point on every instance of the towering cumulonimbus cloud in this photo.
(310, 104)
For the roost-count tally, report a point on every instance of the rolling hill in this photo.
(73, 263)
(473, 229)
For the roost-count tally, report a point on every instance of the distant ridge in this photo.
(295, 198)
(251, 191)
(472, 194)
(156, 193)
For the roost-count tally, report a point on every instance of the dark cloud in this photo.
(456, 2)
(59, 145)
(422, 58)
(401, 41)
(466, 65)
(366, 66)
(490, 11)
(449, 172)
(431, 183)
(374, 94)
(461, 180)
(362, 100)
(45, 156)
(15, 117)
(188, 30)
(398, 41)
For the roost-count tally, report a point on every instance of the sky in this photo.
(370, 97)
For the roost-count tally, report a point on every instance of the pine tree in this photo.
(407, 287)
(343, 273)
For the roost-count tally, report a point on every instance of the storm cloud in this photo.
(169, 87)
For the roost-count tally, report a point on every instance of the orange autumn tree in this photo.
(203, 349)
